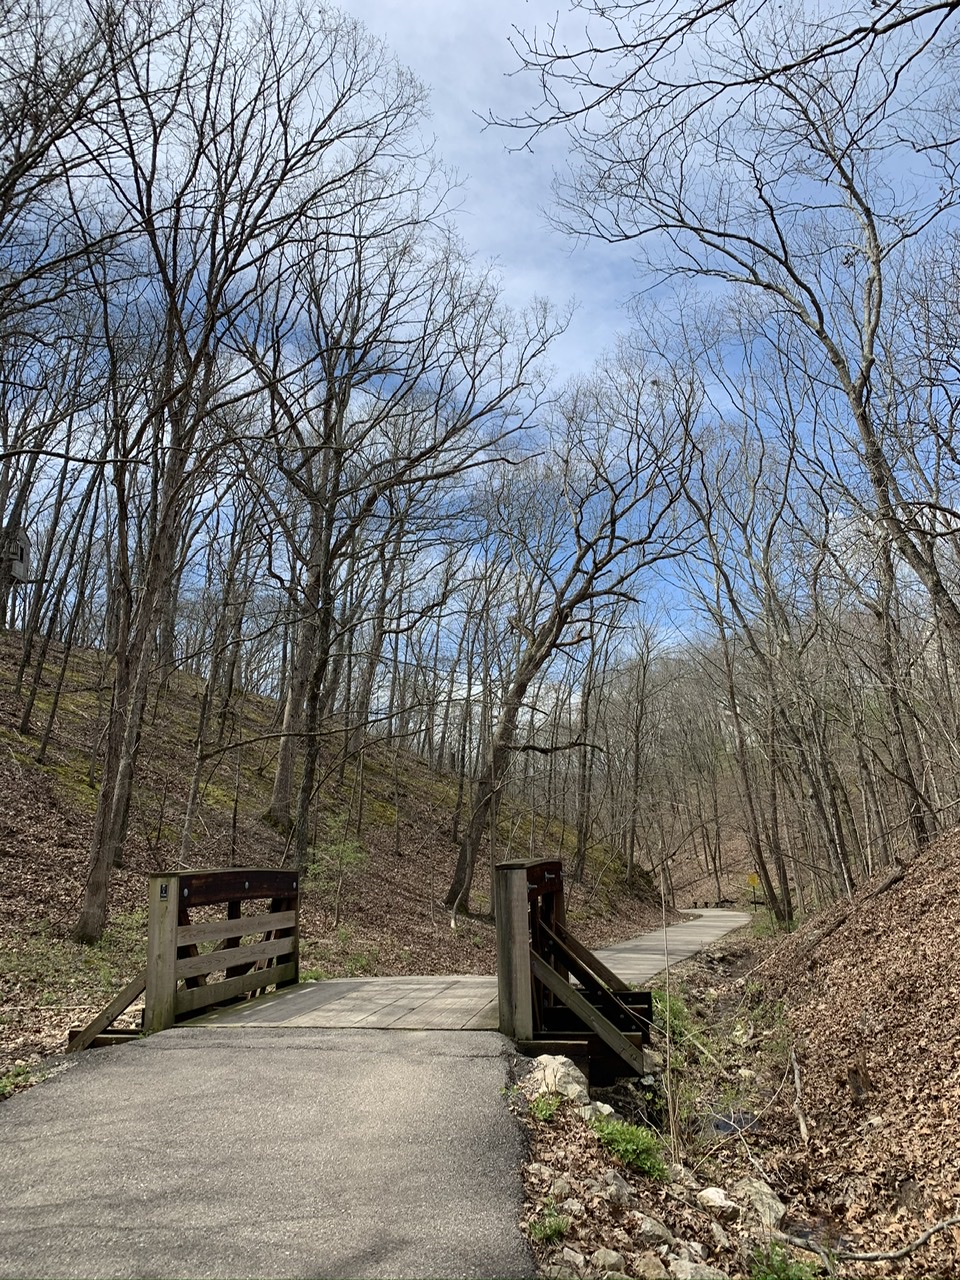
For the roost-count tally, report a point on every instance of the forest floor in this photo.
(827, 1064)
(371, 901)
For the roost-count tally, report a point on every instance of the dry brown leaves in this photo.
(872, 998)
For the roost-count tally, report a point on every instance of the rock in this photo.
(560, 1188)
(681, 1269)
(650, 1231)
(616, 1189)
(649, 1267)
(553, 1073)
(746, 1074)
(764, 1204)
(540, 1170)
(720, 1238)
(607, 1260)
(573, 1208)
(716, 1201)
(683, 1177)
(573, 1257)
(595, 1110)
(555, 1272)
(691, 1251)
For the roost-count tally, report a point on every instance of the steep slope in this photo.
(872, 995)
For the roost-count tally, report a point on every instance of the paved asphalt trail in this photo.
(265, 1152)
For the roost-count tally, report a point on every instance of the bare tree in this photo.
(780, 169)
(581, 522)
(228, 141)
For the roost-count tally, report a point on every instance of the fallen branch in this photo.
(797, 1109)
(810, 1246)
(892, 878)
(842, 1255)
(701, 1048)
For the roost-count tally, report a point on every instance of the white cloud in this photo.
(462, 54)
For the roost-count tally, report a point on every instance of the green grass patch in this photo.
(545, 1107)
(19, 1078)
(72, 782)
(548, 1224)
(774, 1263)
(55, 965)
(378, 812)
(341, 955)
(633, 1146)
(671, 1016)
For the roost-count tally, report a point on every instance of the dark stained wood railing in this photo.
(600, 1021)
(252, 950)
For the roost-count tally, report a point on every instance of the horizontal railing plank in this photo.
(193, 998)
(230, 957)
(215, 930)
(201, 888)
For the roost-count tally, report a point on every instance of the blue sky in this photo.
(462, 55)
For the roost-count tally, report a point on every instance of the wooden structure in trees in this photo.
(15, 555)
(251, 918)
(600, 1022)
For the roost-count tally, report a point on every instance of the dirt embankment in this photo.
(827, 1065)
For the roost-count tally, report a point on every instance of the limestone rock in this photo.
(691, 1251)
(573, 1257)
(573, 1208)
(607, 1260)
(650, 1231)
(560, 1188)
(616, 1189)
(681, 1269)
(720, 1238)
(556, 1272)
(553, 1073)
(716, 1201)
(598, 1110)
(649, 1267)
(763, 1203)
(683, 1177)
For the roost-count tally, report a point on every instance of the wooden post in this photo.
(161, 994)
(513, 951)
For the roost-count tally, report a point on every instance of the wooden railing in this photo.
(181, 977)
(252, 951)
(600, 1020)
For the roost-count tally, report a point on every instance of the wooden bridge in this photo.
(223, 949)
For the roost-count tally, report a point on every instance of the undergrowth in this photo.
(774, 1263)
(548, 1224)
(634, 1146)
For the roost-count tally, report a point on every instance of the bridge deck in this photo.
(407, 1003)
(452, 1003)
